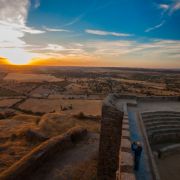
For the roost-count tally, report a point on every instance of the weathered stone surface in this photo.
(128, 176)
(125, 133)
(125, 126)
(125, 143)
(125, 121)
(126, 159)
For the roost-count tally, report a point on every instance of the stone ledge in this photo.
(125, 143)
(126, 159)
(128, 176)
(125, 126)
(125, 122)
(125, 133)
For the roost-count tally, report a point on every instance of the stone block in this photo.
(125, 133)
(127, 176)
(125, 143)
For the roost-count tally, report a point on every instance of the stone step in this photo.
(159, 113)
(164, 126)
(168, 150)
(161, 119)
(164, 131)
(165, 137)
(158, 123)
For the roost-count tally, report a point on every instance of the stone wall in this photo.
(110, 139)
(115, 157)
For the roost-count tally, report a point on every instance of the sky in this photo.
(123, 33)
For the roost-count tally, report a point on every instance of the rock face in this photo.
(110, 139)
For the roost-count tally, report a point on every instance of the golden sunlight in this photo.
(17, 56)
(18, 62)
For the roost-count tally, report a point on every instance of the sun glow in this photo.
(16, 56)
(18, 61)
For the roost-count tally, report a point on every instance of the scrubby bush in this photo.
(80, 115)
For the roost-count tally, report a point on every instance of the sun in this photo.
(17, 56)
(18, 61)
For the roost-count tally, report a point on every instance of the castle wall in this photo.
(115, 157)
(110, 139)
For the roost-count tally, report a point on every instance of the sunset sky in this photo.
(131, 33)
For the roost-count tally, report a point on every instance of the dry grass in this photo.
(8, 102)
(13, 140)
(92, 126)
(13, 143)
(55, 123)
(86, 170)
(90, 107)
(26, 118)
(31, 77)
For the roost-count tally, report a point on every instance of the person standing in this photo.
(137, 149)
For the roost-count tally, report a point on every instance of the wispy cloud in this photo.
(55, 47)
(164, 6)
(170, 8)
(176, 6)
(115, 49)
(155, 47)
(155, 27)
(55, 29)
(105, 33)
(37, 3)
(75, 20)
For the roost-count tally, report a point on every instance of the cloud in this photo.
(37, 4)
(55, 30)
(75, 20)
(170, 8)
(54, 47)
(116, 49)
(57, 49)
(116, 52)
(155, 27)
(13, 18)
(175, 6)
(105, 33)
(164, 6)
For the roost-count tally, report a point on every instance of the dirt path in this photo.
(61, 166)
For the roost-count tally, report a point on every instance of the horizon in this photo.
(104, 67)
(88, 33)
